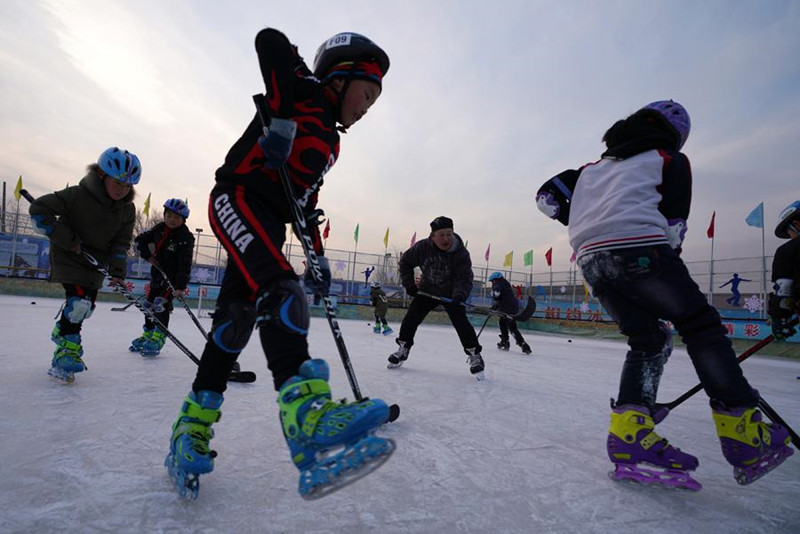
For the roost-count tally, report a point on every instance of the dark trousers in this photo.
(421, 306)
(163, 292)
(639, 286)
(65, 327)
(253, 238)
(510, 325)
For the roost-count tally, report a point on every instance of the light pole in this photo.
(197, 244)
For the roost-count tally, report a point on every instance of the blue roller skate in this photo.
(332, 444)
(154, 343)
(189, 454)
(67, 356)
(136, 344)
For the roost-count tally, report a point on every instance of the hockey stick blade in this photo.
(243, 377)
(394, 413)
(527, 313)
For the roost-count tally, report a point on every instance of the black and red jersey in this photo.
(293, 93)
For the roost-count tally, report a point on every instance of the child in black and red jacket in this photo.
(169, 246)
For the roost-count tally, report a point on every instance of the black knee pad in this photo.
(233, 326)
(284, 305)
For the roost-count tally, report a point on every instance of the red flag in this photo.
(549, 257)
(486, 256)
(413, 239)
(573, 257)
(710, 231)
(327, 229)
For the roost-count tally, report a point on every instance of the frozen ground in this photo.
(523, 451)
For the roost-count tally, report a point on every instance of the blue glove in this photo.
(323, 286)
(277, 144)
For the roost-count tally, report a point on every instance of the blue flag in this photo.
(756, 217)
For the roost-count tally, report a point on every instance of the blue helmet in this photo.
(787, 217)
(676, 115)
(178, 206)
(120, 165)
(495, 275)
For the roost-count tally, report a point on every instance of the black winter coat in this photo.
(503, 295)
(445, 273)
(172, 250)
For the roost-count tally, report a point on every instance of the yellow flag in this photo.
(386, 238)
(509, 259)
(17, 189)
(146, 209)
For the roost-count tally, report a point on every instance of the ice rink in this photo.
(523, 451)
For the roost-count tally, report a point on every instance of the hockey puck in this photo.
(569, 341)
(33, 302)
(394, 413)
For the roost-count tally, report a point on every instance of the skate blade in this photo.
(65, 377)
(391, 365)
(186, 484)
(668, 478)
(150, 354)
(348, 466)
(479, 376)
(388, 333)
(748, 475)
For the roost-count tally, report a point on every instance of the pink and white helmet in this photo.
(676, 115)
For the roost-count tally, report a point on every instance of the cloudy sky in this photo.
(483, 102)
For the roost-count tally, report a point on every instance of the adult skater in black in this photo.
(446, 272)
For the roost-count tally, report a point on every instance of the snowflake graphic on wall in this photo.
(753, 304)
(585, 307)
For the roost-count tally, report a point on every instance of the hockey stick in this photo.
(743, 356)
(300, 225)
(484, 325)
(524, 315)
(128, 305)
(245, 376)
(197, 323)
(770, 412)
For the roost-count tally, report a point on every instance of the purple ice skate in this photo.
(670, 478)
(751, 446)
(632, 441)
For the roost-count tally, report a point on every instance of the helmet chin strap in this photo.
(340, 94)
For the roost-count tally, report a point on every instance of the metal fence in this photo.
(23, 253)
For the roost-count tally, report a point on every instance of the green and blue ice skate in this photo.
(67, 356)
(332, 444)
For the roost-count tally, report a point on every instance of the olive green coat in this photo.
(84, 214)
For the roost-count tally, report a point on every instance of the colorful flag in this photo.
(146, 209)
(528, 258)
(486, 256)
(756, 217)
(17, 189)
(710, 231)
(355, 234)
(573, 257)
(509, 259)
(549, 257)
(386, 238)
(413, 239)
(327, 231)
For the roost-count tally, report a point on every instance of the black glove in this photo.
(458, 299)
(781, 328)
(411, 290)
(780, 314)
(321, 287)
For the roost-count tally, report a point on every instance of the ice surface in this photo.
(522, 451)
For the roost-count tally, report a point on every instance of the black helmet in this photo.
(787, 217)
(366, 59)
